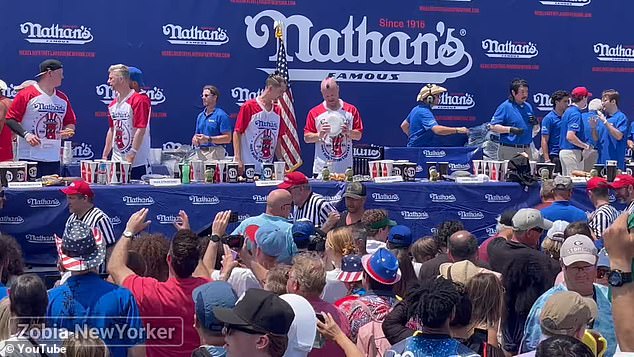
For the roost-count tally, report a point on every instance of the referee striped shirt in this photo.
(315, 209)
(95, 218)
(601, 219)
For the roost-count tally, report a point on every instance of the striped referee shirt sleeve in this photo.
(105, 226)
(324, 210)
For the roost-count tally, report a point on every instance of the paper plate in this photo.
(336, 124)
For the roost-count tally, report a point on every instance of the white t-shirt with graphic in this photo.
(45, 116)
(260, 132)
(126, 115)
(337, 149)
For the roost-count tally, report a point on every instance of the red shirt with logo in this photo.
(260, 133)
(167, 305)
(45, 116)
(125, 115)
(337, 149)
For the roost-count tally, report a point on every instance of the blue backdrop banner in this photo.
(382, 55)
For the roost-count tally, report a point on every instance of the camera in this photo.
(532, 120)
(234, 241)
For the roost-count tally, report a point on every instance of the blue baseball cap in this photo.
(302, 231)
(400, 236)
(136, 76)
(271, 240)
(209, 296)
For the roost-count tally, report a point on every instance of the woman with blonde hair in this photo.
(339, 243)
(80, 346)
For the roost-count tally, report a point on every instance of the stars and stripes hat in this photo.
(351, 269)
(382, 266)
(81, 247)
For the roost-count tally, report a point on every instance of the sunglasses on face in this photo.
(228, 330)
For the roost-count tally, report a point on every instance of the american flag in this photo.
(290, 149)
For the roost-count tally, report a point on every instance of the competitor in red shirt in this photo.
(42, 115)
(129, 114)
(332, 125)
(257, 129)
(6, 146)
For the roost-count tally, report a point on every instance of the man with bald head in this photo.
(331, 126)
(278, 209)
(462, 245)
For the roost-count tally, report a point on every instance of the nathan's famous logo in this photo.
(108, 94)
(167, 218)
(39, 239)
(262, 145)
(437, 55)
(440, 197)
(542, 102)
(11, 220)
(204, 200)
(336, 148)
(385, 197)
(434, 153)
(509, 49)
(10, 92)
(43, 202)
(194, 35)
(459, 167)
(170, 145)
(241, 95)
(259, 198)
(83, 151)
(576, 3)
(56, 34)
(414, 215)
(368, 153)
(470, 215)
(456, 101)
(138, 201)
(116, 220)
(618, 53)
(495, 198)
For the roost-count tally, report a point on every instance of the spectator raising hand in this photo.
(619, 242)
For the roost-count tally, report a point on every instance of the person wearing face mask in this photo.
(515, 122)
(572, 139)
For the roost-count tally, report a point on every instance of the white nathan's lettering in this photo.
(369, 153)
(495, 198)
(56, 34)
(39, 239)
(166, 218)
(49, 108)
(241, 95)
(542, 102)
(193, 35)
(618, 53)
(116, 220)
(459, 167)
(108, 94)
(242, 217)
(434, 153)
(491, 231)
(333, 199)
(414, 215)
(259, 198)
(156, 95)
(470, 215)
(138, 201)
(204, 200)
(441, 53)
(83, 151)
(456, 101)
(575, 3)
(170, 145)
(385, 197)
(43, 202)
(440, 197)
(11, 220)
(509, 49)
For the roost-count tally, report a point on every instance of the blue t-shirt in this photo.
(571, 121)
(512, 114)
(551, 126)
(214, 124)
(283, 224)
(421, 120)
(586, 125)
(609, 148)
(4, 292)
(564, 211)
(423, 345)
(86, 301)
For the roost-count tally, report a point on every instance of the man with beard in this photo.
(623, 187)
(515, 122)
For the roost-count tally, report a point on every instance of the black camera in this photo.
(234, 241)
(532, 120)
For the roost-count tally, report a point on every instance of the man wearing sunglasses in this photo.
(578, 258)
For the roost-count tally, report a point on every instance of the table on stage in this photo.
(459, 158)
(33, 216)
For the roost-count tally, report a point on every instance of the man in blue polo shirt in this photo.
(562, 209)
(572, 142)
(612, 129)
(213, 126)
(421, 125)
(593, 108)
(515, 122)
(551, 128)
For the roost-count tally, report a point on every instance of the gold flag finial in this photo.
(278, 29)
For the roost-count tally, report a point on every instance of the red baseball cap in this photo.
(597, 182)
(580, 92)
(622, 181)
(292, 179)
(78, 188)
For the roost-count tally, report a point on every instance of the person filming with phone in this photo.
(420, 125)
(332, 126)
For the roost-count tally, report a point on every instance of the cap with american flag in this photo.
(81, 247)
(289, 143)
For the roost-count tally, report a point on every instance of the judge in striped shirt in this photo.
(307, 204)
(81, 206)
(604, 214)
